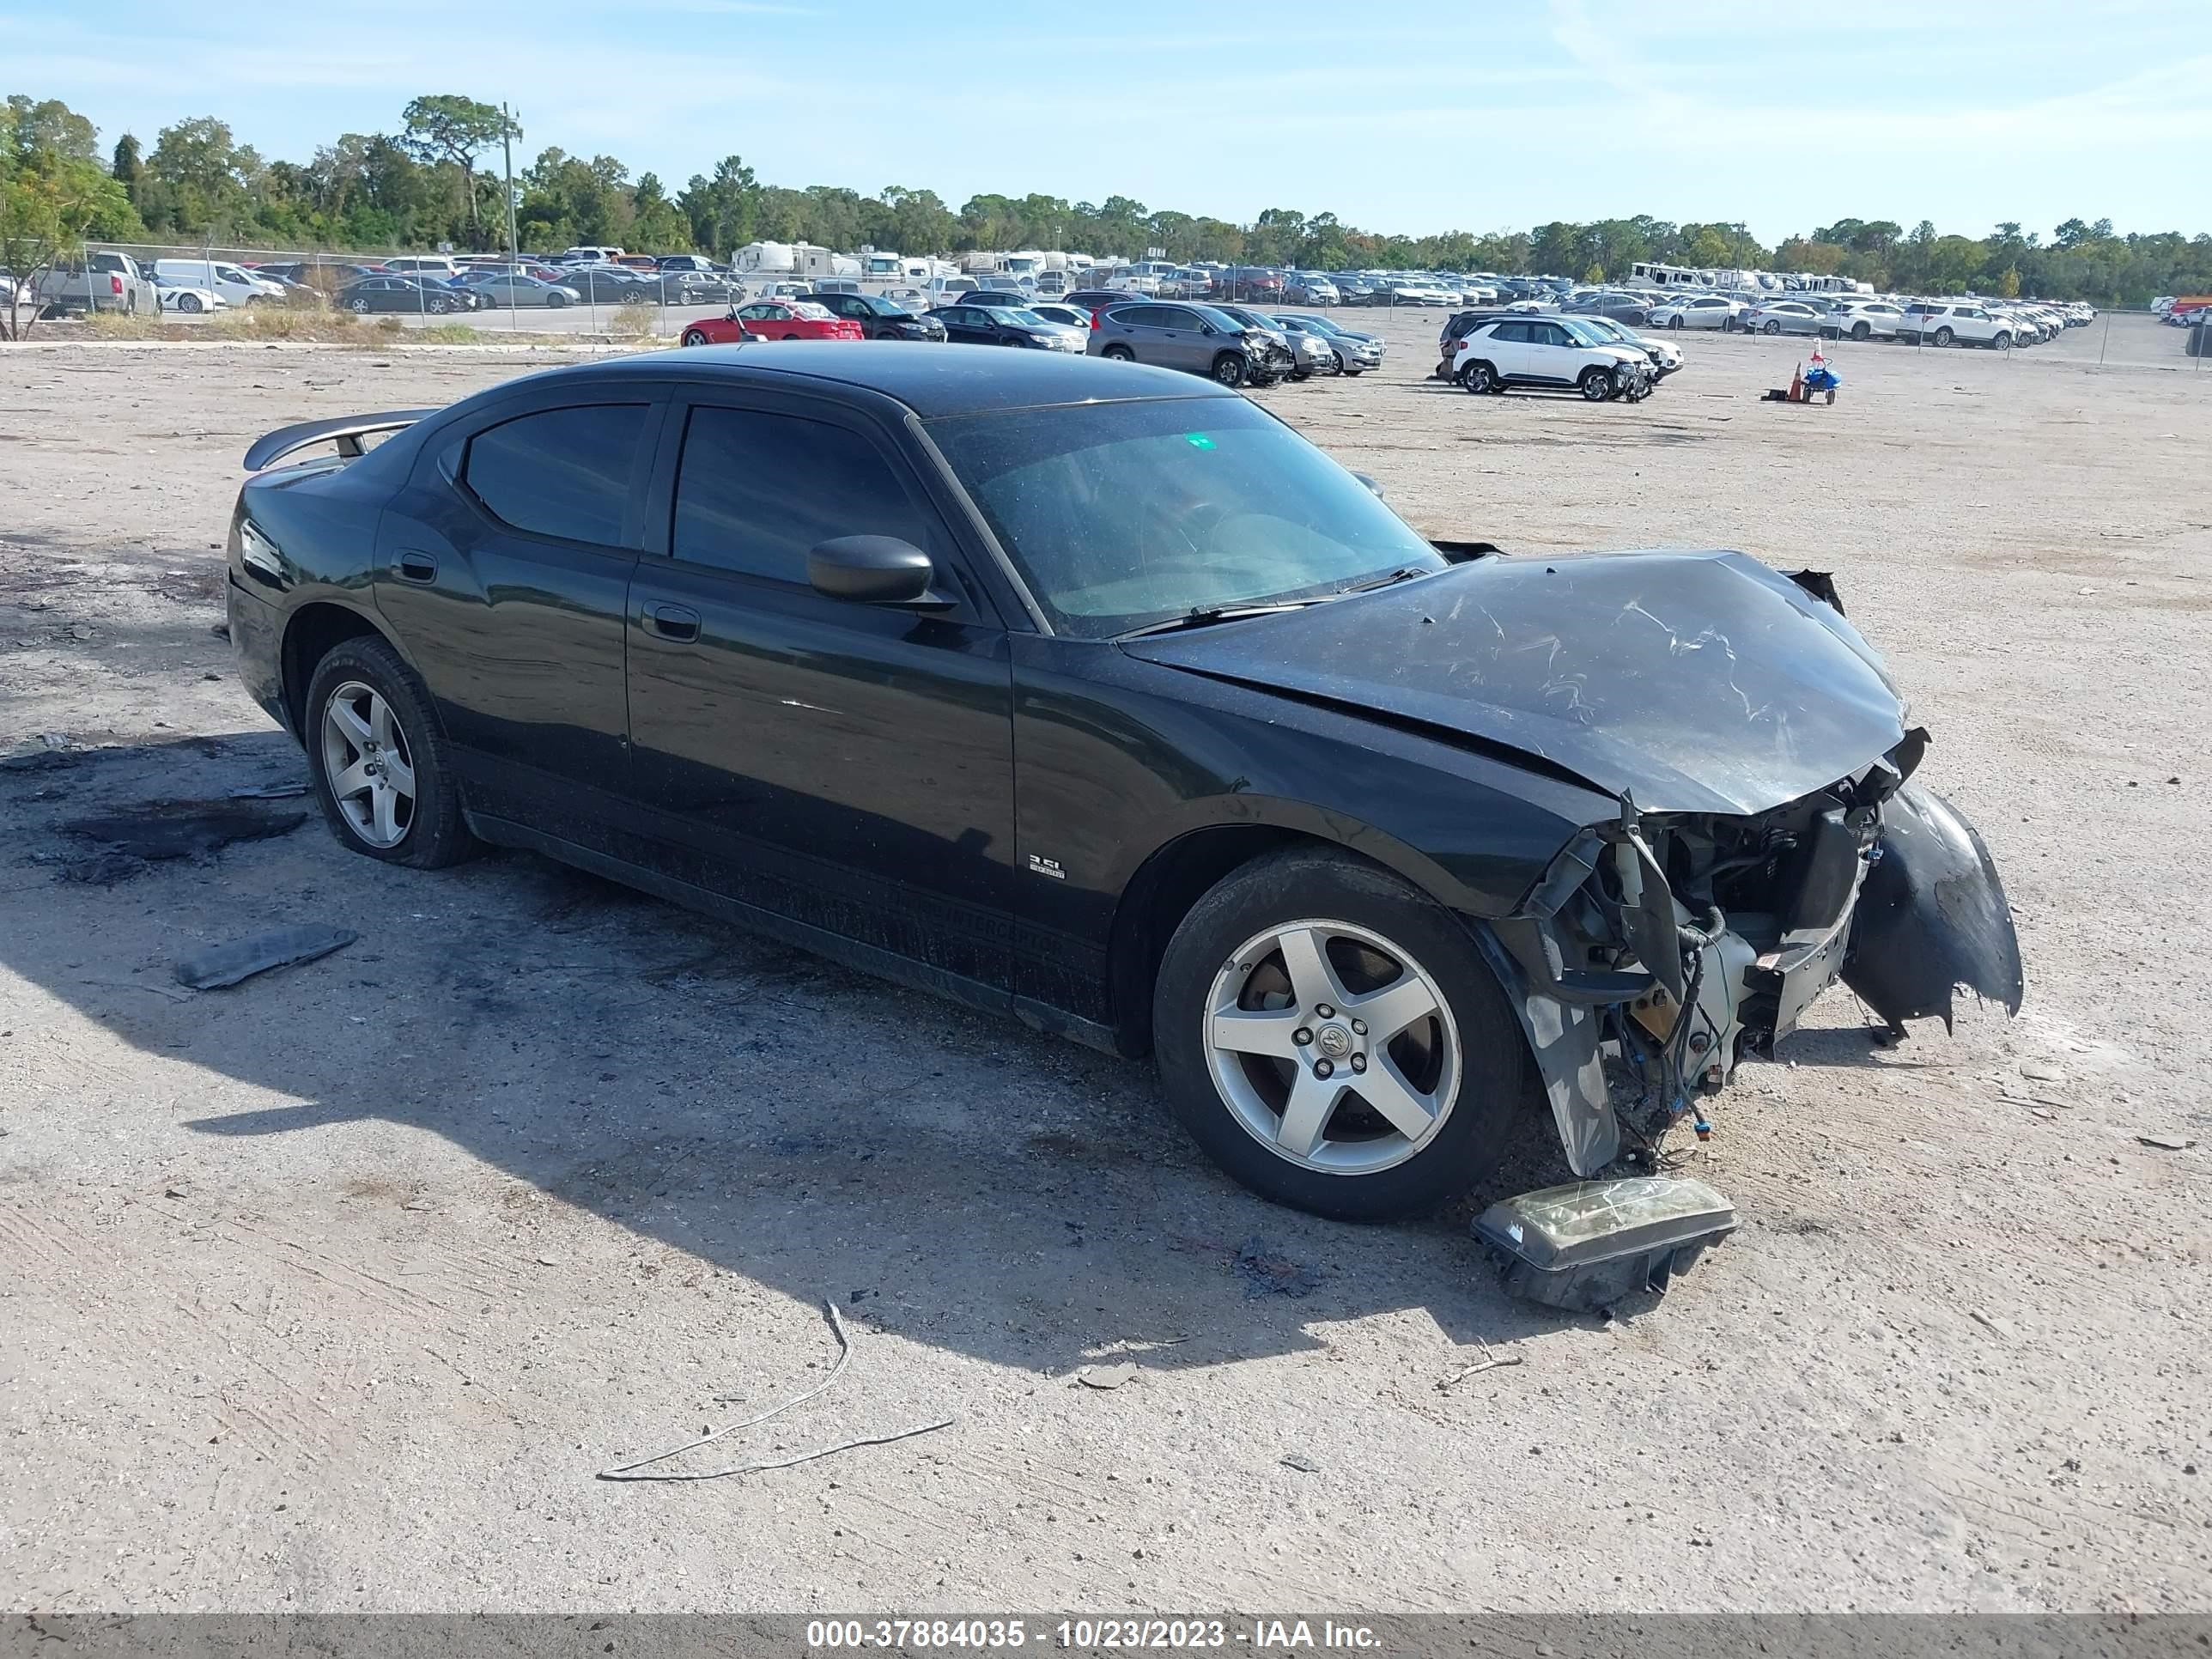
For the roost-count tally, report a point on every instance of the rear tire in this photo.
(1237, 952)
(1770, 327)
(1861, 330)
(1479, 378)
(1942, 337)
(1120, 353)
(363, 674)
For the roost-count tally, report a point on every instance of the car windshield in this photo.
(1123, 515)
(1017, 315)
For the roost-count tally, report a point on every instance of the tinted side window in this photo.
(754, 491)
(560, 472)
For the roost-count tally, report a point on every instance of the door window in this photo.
(561, 472)
(755, 491)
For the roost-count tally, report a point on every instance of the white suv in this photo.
(1964, 322)
(1541, 352)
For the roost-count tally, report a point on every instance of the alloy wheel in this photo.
(370, 769)
(1332, 1046)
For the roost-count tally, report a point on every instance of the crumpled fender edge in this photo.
(1563, 1039)
(1931, 917)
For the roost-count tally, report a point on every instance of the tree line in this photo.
(437, 179)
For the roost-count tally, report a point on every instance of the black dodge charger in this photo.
(1094, 694)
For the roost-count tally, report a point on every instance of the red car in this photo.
(773, 319)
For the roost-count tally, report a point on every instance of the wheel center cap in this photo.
(1334, 1040)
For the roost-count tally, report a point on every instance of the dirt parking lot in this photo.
(332, 1291)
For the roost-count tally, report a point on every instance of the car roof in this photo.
(932, 384)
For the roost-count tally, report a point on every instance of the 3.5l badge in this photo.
(1047, 868)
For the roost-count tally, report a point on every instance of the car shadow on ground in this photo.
(957, 1178)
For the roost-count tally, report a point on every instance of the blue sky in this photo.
(1397, 118)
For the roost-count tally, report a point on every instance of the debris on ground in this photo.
(1267, 1273)
(227, 964)
(641, 1469)
(2166, 1143)
(1301, 1462)
(1106, 1376)
(1991, 1323)
(269, 791)
(1489, 1362)
(183, 829)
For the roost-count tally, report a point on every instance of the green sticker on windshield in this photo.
(1198, 440)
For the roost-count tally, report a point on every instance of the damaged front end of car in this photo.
(1661, 950)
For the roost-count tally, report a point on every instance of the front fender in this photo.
(1931, 917)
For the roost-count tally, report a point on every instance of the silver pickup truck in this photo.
(97, 281)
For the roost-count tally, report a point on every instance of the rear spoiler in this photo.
(346, 432)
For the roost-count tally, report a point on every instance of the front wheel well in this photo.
(309, 636)
(1158, 896)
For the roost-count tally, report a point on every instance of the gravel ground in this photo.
(334, 1290)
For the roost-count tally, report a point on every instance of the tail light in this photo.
(115, 284)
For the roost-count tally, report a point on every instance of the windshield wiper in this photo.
(1206, 615)
(1403, 573)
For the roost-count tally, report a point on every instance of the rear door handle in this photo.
(672, 622)
(416, 567)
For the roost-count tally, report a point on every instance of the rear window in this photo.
(563, 472)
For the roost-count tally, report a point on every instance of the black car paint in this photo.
(876, 325)
(990, 330)
(1690, 680)
(845, 777)
(1932, 917)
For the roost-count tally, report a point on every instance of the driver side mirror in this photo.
(1208, 328)
(872, 570)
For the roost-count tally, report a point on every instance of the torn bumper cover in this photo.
(1660, 949)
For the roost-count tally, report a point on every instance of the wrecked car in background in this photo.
(1090, 694)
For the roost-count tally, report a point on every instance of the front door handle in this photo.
(416, 567)
(672, 622)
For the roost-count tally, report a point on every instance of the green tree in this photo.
(722, 208)
(656, 222)
(448, 127)
(124, 168)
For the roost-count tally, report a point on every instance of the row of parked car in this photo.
(1233, 344)
(1961, 320)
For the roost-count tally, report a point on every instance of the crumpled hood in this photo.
(1699, 682)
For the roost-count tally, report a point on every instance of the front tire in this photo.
(1411, 1069)
(379, 761)
(1596, 385)
(189, 303)
(2002, 343)
(556, 301)
(1230, 370)
(1675, 321)
(692, 336)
